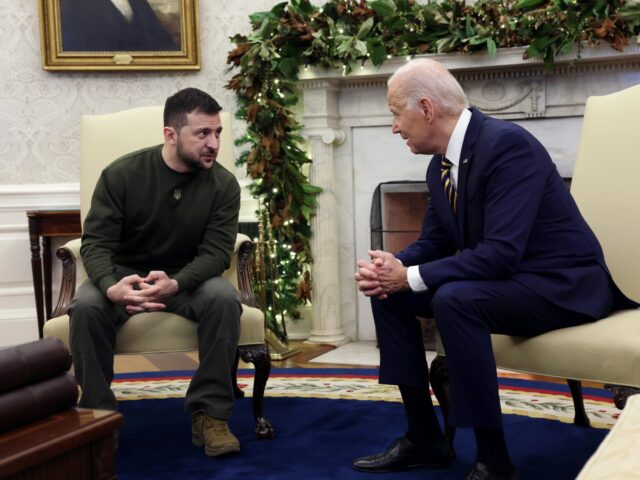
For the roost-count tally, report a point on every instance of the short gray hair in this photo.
(423, 77)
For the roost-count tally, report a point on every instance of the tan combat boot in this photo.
(214, 434)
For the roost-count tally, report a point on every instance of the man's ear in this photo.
(170, 135)
(428, 109)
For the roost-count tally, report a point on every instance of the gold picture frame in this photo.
(93, 35)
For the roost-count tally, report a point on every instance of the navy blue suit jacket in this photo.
(516, 220)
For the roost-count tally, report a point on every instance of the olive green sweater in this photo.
(147, 216)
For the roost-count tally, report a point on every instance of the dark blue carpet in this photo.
(318, 438)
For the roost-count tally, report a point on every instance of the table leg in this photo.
(36, 271)
(46, 264)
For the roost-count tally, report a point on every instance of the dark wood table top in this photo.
(39, 441)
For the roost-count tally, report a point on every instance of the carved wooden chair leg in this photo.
(580, 417)
(259, 356)
(439, 378)
(621, 393)
(237, 392)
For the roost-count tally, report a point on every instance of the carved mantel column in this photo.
(322, 132)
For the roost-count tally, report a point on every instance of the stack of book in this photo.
(35, 382)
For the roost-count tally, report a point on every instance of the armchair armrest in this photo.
(68, 253)
(244, 248)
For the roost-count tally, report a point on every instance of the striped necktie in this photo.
(447, 183)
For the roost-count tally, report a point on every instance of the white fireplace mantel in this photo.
(347, 124)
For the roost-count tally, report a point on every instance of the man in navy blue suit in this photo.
(503, 249)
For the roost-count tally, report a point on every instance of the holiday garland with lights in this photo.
(344, 33)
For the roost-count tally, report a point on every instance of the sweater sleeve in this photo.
(101, 234)
(214, 253)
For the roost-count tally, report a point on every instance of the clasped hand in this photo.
(140, 294)
(381, 276)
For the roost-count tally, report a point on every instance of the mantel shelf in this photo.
(505, 58)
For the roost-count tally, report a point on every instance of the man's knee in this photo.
(219, 293)
(90, 308)
(452, 295)
(453, 305)
(393, 303)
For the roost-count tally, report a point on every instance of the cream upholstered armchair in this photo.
(103, 138)
(605, 186)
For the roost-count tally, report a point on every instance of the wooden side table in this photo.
(44, 224)
(76, 443)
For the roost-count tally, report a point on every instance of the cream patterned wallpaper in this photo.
(40, 111)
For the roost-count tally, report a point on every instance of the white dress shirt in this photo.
(454, 148)
(125, 8)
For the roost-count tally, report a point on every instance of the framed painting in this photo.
(119, 34)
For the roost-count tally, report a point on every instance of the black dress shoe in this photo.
(402, 454)
(481, 472)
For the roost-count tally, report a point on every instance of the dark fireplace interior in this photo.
(397, 209)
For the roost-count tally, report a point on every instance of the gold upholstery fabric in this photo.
(617, 456)
(103, 138)
(605, 187)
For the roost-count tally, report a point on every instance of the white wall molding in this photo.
(17, 303)
(46, 196)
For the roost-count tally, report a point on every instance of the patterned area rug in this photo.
(519, 397)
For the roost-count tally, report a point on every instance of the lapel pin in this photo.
(465, 161)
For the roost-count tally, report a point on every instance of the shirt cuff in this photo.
(415, 280)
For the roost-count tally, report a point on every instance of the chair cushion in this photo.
(615, 457)
(605, 351)
(163, 332)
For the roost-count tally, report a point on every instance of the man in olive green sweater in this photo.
(160, 232)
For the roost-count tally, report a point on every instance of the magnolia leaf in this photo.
(528, 4)
(442, 43)
(377, 51)
(306, 212)
(383, 8)
(309, 201)
(360, 47)
(259, 17)
(475, 40)
(279, 9)
(365, 28)
(468, 29)
(492, 49)
(304, 6)
(289, 68)
(267, 27)
(308, 188)
(345, 46)
(395, 24)
(532, 52)
(264, 52)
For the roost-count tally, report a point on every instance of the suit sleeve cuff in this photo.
(415, 280)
